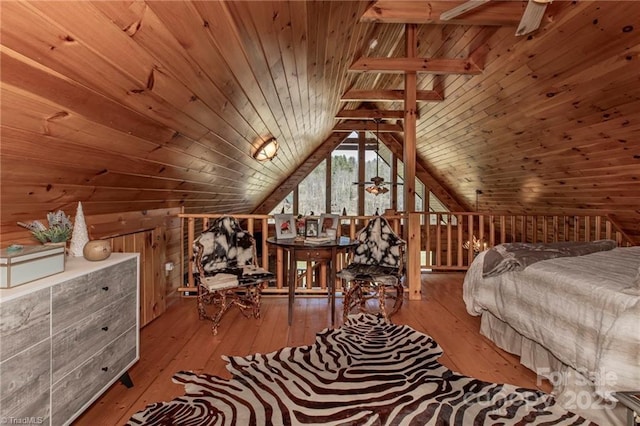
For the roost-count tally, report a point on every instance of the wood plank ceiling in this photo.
(139, 105)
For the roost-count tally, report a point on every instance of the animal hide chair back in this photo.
(376, 270)
(225, 259)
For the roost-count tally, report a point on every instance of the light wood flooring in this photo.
(179, 341)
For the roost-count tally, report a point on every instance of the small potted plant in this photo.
(59, 230)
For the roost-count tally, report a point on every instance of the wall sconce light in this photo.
(267, 150)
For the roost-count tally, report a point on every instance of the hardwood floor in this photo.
(179, 341)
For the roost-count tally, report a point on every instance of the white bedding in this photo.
(585, 310)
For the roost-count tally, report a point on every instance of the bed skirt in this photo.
(571, 389)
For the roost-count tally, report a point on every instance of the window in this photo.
(312, 192)
(344, 193)
(344, 171)
(284, 206)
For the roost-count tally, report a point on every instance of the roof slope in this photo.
(141, 105)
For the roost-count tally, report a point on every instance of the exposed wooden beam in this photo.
(349, 143)
(328, 184)
(390, 95)
(422, 65)
(500, 13)
(395, 143)
(412, 233)
(370, 113)
(298, 175)
(361, 177)
(478, 56)
(364, 113)
(351, 126)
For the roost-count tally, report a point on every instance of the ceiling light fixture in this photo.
(267, 150)
(378, 185)
(377, 188)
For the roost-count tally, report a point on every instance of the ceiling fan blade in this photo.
(461, 9)
(379, 183)
(532, 16)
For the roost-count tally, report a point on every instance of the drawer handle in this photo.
(105, 368)
(105, 288)
(105, 328)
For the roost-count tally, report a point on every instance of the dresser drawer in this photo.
(84, 384)
(23, 322)
(25, 384)
(313, 255)
(74, 345)
(78, 297)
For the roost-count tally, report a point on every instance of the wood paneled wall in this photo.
(147, 105)
(155, 234)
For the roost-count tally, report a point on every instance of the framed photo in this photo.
(300, 226)
(312, 229)
(285, 226)
(328, 221)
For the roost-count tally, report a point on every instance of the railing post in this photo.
(460, 242)
(265, 246)
(191, 227)
(413, 256)
(428, 243)
(279, 267)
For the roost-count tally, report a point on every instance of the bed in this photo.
(574, 320)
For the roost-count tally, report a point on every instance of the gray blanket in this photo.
(517, 256)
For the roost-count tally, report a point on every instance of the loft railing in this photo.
(445, 241)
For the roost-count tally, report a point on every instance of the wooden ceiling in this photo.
(138, 105)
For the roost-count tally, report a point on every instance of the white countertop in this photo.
(73, 268)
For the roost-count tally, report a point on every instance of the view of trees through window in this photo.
(344, 193)
(312, 192)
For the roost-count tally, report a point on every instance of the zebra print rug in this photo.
(367, 372)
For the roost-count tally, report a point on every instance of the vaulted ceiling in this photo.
(137, 105)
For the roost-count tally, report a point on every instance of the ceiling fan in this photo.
(377, 183)
(529, 22)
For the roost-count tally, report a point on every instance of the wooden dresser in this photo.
(66, 338)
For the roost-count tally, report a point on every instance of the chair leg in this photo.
(218, 300)
(346, 301)
(349, 302)
(221, 301)
(224, 307)
(359, 292)
(398, 298)
(249, 303)
(382, 298)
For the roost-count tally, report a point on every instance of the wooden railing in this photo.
(445, 241)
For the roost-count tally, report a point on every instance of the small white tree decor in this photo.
(80, 235)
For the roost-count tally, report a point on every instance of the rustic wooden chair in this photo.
(376, 270)
(228, 275)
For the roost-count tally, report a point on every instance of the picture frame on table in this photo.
(285, 226)
(328, 221)
(312, 227)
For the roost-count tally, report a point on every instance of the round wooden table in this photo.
(315, 252)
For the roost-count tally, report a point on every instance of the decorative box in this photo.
(29, 263)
